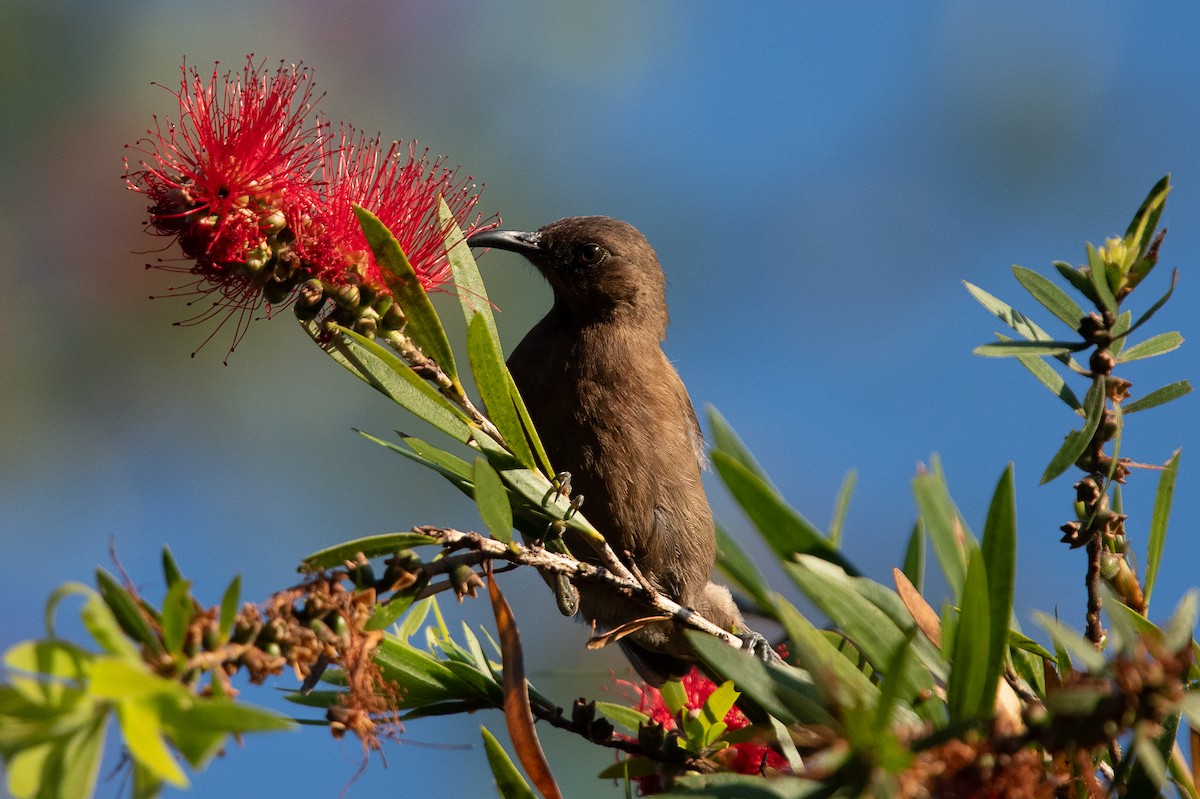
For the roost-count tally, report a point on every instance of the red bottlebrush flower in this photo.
(746, 757)
(402, 189)
(229, 177)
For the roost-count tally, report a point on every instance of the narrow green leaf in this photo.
(914, 559)
(1155, 345)
(531, 432)
(1157, 539)
(941, 524)
(142, 730)
(627, 717)
(843, 679)
(126, 612)
(492, 499)
(727, 441)
(888, 696)
(1048, 377)
(114, 614)
(1160, 396)
(372, 546)
(1008, 315)
(227, 716)
(719, 703)
(781, 691)
(740, 570)
(1099, 278)
(392, 377)
(1007, 349)
(1079, 648)
(840, 507)
(1145, 221)
(423, 325)
(1153, 309)
(534, 488)
(1078, 279)
(674, 696)
(177, 615)
(229, 606)
(386, 613)
(509, 781)
(1120, 332)
(1077, 441)
(1052, 298)
(971, 669)
(171, 572)
(81, 760)
(468, 282)
(1150, 769)
(1177, 632)
(1026, 644)
(452, 467)
(487, 364)
(999, 549)
(870, 629)
(782, 527)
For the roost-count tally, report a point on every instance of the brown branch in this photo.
(614, 575)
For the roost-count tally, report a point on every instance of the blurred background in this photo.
(817, 179)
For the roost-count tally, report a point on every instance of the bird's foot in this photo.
(757, 644)
(562, 484)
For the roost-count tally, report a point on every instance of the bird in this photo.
(612, 411)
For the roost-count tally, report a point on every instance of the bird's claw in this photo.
(757, 644)
(562, 483)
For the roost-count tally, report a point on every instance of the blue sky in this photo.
(817, 180)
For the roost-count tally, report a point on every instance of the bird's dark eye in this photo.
(590, 254)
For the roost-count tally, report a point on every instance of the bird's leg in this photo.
(566, 595)
(562, 481)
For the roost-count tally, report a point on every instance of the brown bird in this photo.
(612, 411)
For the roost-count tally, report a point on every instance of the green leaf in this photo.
(1077, 441)
(112, 615)
(1153, 309)
(509, 781)
(970, 668)
(1120, 333)
(1145, 221)
(395, 379)
(1004, 349)
(1155, 345)
(1026, 644)
(473, 298)
(1078, 279)
(914, 559)
(1008, 315)
(53, 658)
(1178, 629)
(229, 606)
(1048, 377)
(727, 441)
(422, 323)
(1052, 298)
(674, 696)
(942, 524)
(1099, 278)
(81, 753)
(171, 572)
(1150, 769)
(1160, 396)
(450, 466)
(371, 547)
(142, 730)
(1157, 539)
(177, 615)
(491, 378)
(781, 691)
(999, 550)
(719, 703)
(227, 716)
(782, 527)
(870, 629)
(534, 488)
(840, 506)
(843, 680)
(740, 570)
(492, 499)
(386, 613)
(120, 607)
(627, 717)
(1075, 645)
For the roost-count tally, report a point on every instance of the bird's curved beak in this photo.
(526, 244)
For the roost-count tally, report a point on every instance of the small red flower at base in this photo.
(746, 757)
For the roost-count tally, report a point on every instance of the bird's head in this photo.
(599, 268)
